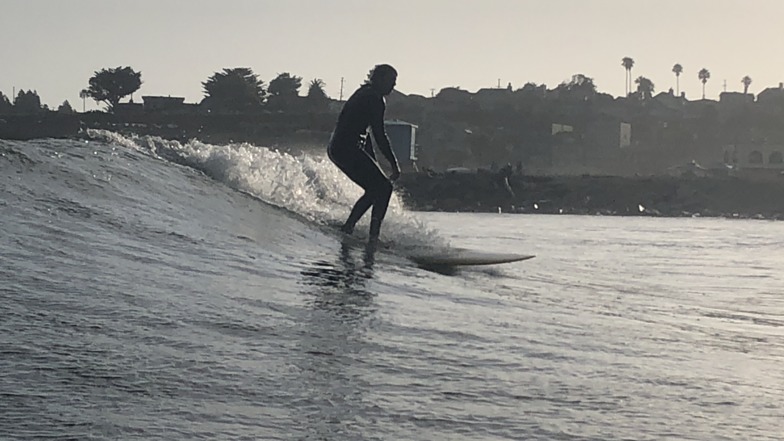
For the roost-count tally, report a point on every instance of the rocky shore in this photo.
(669, 196)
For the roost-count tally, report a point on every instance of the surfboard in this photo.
(455, 257)
(439, 259)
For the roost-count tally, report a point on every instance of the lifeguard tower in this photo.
(402, 137)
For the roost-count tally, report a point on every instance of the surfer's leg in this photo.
(360, 208)
(345, 160)
(378, 191)
(380, 204)
(366, 173)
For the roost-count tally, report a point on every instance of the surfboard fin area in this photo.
(455, 257)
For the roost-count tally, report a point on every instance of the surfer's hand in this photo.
(395, 174)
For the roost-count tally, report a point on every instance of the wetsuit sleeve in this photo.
(379, 133)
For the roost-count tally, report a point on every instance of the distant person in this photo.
(350, 147)
(505, 173)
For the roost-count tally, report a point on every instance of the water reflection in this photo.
(333, 345)
(339, 286)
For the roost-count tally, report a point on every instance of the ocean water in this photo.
(152, 290)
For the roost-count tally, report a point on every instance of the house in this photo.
(453, 95)
(164, 104)
(735, 99)
(664, 107)
(755, 156)
(700, 110)
(669, 101)
(490, 98)
(127, 109)
(773, 96)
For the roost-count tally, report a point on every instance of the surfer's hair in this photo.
(380, 70)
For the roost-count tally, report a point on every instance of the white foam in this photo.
(306, 184)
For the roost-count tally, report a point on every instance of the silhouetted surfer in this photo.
(352, 151)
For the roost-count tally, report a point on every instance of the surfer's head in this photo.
(383, 77)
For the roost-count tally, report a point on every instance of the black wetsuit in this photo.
(351, 150)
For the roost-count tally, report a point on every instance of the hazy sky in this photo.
(54, 46)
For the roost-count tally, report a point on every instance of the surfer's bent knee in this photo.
(386, 188)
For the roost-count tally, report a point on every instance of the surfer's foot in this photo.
(375, 243)
(347, 229)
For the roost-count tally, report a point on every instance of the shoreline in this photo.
(654, 196)
(688, 195)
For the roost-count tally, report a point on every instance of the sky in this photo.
(55, 46)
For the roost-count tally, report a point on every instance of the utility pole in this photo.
(499, 83)
(432, 93)
(341, 89)
(725, 85)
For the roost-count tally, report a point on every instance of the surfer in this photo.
(351, 150)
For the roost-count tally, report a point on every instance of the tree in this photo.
(316, 97)
(112, 85)
(746, 83)
(532, 89)
(65, 108)
(678, 70)
(284, 92)
(237, 89)
(704, 76)
(285, 85)
(316, 90)
(27, 102)
(5, 104)
(645, 88)
(628, 63)
(579, 88)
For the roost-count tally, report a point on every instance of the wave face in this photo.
(133, 266)
(307, 185)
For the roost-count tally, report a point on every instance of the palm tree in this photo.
(746, 83)
(704, 76)
(316, 89)
(84, 95)
(628, 63)
(678, 69)
(316, 98)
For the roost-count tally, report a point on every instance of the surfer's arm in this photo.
(380, 134)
